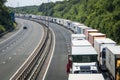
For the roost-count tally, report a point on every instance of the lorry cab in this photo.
(84, 68)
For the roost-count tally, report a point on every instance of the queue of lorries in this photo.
(90, 51)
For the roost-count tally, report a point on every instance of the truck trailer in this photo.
(100, 46)
(87, 31)
(80, 43)
(78, 37)
(113, 62)
(93, 36)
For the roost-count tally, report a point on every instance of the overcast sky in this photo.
(18, 3)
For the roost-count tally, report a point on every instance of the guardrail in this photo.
(42, 58)
(27, 67)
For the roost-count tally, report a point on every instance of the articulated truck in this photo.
(82, 55)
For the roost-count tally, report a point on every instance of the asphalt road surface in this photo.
(57, 68)
(16, 49)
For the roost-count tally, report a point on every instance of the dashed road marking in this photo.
(3, 62)
(7, 47)
(69, 51)
(3, 50)
(10, 58)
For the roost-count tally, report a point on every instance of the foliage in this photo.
(25, 10)
(100, 14)
(6, 23)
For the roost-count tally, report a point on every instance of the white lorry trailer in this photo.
(78, 37)
(83, 53)
(85, 77)
(100, 46)
(113, 61)
(80, 43)
(93, 36)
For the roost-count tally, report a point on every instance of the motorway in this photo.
(57, 68)
(16, 49)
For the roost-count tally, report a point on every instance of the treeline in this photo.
(103, 15)
(6, 19)
(25, 10)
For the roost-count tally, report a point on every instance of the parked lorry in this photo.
(100, 46)
(87, 31)
(78, 37)
(80, 43)
(93, 36)
(85, 77)
(113, 62)
(84, 54)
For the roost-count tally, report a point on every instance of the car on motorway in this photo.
(24, 27)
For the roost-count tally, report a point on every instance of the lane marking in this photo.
(3, 62)
(7, 47)
(51, 55)
(29, 55)
(68, 48)
(10, 58)
(68, 51)
(3, 50)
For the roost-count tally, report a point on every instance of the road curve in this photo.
(57, 68)
(15, 50)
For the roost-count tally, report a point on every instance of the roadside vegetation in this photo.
(103, 15)
(6, 21)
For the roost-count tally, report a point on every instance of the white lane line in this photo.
(69, 51)
(10, 58)
(3, 62)
(3, 50)
(50, 57)
(7, 47)
(68, 48)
